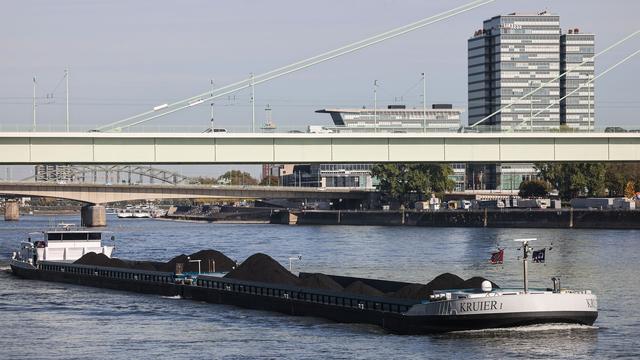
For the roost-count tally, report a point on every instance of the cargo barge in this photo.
(442, 311)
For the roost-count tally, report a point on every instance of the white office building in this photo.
(396, 119)
(516, 53)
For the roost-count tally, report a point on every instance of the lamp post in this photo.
(375, 105)
(212, 103)
(291, 259)
(195, 261)
(34, 103)
(424, 102)
(253, 105)
(66, 76)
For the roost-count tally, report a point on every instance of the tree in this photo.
(574, 179)
(630, 190)
(269, 181)
(203, 180)
(619, 175)
(237, 177)
(401, 181)
(533, 188)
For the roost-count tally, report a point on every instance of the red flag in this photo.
(497, 257)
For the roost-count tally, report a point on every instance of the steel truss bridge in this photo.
(109, 173)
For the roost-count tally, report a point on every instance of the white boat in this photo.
(64, 243)
(138, 212)
(449, 310)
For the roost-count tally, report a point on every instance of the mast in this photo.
(525, 255)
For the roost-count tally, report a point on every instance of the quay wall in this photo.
(500, 218)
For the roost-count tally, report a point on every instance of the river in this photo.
(59, 321)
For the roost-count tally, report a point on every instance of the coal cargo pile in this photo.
(358, 287)
(92, 258)
(445, 281)
(320, 281)
(221, 262)
(420, 291)
(100, 260)
(476, 283)
(143, 265)
(412, 291)
(262, 268)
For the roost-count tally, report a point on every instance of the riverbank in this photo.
(499, 218)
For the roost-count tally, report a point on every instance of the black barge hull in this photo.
(291, 301)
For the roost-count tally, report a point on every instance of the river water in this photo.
(59, 321)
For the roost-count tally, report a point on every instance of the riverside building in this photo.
(516, 53)
(395, 118)
(509, 57)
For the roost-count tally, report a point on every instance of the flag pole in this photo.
(525, 255)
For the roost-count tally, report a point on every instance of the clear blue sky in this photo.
(128, 56)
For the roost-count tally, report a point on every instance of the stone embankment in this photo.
(557, 218)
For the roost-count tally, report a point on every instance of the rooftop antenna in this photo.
(525, 255)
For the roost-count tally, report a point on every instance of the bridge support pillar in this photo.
(11, 210)
(93, 215)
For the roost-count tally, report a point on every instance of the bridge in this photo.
(96, 195)
(100, 194)
(242, 148)
(110, 173)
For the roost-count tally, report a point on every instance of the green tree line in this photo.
(407, 182)
(584, 180)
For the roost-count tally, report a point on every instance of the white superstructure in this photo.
(65, 242)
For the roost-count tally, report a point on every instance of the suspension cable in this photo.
(165, 109)
(555, 102)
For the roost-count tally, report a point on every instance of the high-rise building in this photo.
(510, 56)
(516, 53)
(577, 110)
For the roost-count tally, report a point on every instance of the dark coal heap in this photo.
(221, 262)
(320, 281)
(94, 259)
(441, 282)
(358, 287)
(263, 268)
(476, 283)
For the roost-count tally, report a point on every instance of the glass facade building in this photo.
(512, 55)
(395, 118)
(577, 110)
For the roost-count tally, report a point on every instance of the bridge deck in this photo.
(230, 148)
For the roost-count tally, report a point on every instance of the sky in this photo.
(126, 57)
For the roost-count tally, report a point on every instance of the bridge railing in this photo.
(196, 129)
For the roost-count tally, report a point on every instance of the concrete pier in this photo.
(11, 211)
(93, 215)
